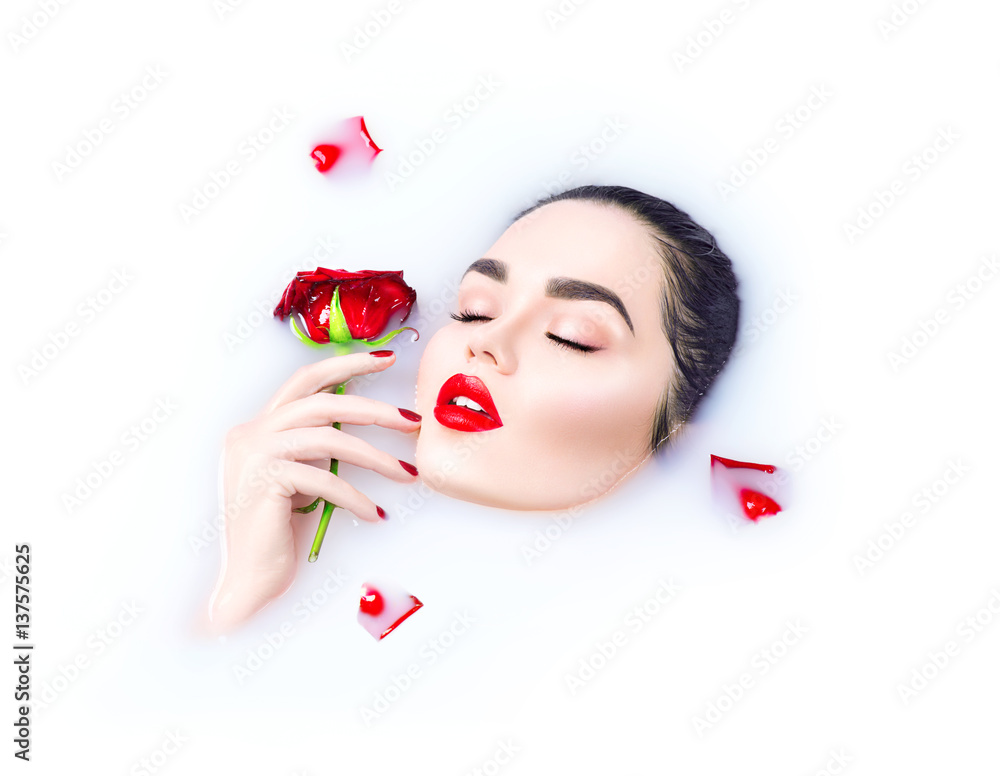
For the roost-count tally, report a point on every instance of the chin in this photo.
(452, 468)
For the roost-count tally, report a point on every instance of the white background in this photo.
(116, 687)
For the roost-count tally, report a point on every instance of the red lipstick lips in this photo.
(461, 418)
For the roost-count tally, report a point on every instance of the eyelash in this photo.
(468, 317)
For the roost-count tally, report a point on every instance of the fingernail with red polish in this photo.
(382, 353)
(381, 512)
(410, 468)
(409, 415)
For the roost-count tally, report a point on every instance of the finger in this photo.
(305, 443)
(324, 409)
(322, 374)
(300, 500)
(301, 478)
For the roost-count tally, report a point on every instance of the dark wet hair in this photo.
(699, 307)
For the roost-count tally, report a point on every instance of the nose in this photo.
(492, 342)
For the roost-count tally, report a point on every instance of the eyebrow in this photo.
(558, 288)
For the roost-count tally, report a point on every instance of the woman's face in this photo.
(562, 425)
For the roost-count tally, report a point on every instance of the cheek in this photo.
(596, 410)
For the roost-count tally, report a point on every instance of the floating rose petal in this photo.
(383, 607)
(345, 145)
(372, 602)
(325, 156)
(750, 485)
(756, 505)
(366, 138)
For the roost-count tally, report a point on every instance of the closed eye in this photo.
(466, 316)
(569, 344)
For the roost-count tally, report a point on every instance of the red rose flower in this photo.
(367, 299)
(340, 307)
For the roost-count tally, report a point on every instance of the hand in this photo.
(280, 461)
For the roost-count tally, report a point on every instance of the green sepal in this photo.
(340, 347)
(384, 339)
(339, 330)
(302, 336)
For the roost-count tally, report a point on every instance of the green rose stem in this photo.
(328, 508)
(340, 335)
